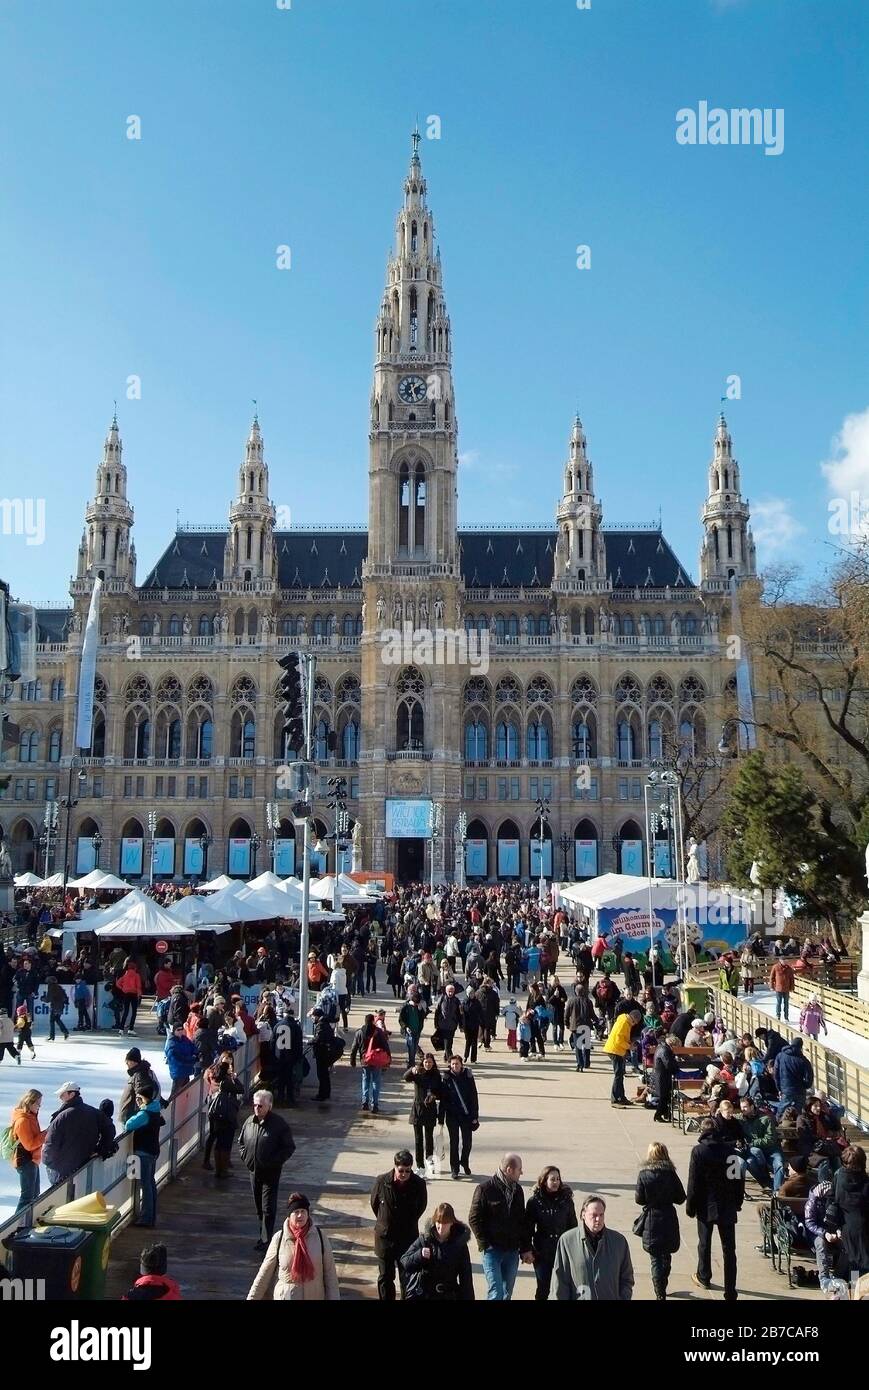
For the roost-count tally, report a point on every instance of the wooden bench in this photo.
(686, 1089)
(779, 1243)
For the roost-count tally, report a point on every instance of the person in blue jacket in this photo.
(145, 1127)
(181, 1058)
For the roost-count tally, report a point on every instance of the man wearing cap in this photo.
(76, 1132)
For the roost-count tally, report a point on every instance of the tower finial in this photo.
(255, 411)
(115, 415)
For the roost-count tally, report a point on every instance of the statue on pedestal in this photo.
(356, 848)
(692, 868)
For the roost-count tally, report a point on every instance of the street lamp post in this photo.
(49, 835)
(541, 809)
(564, 846)
(204, 843)
(436, 820)
(255, 844)
(338, 807)
(273, 821)
(97, 842)
(460, 835)
(152, 831)
(69, 803)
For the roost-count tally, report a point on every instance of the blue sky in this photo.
(263, 127)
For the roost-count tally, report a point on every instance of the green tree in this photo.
(774, 818)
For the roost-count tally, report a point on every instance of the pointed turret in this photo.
(581, 553)
(249, 552)
(727, 549)
(105, 547)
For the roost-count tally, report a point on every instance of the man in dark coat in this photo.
(683, 1023)
(771, 1041)
(139, 1074)
(794, 1075)
(265, 1143)
(716, 1191)
(76, 1132)
(666, 1070)
(472, 1018)
(490, 1004)
(322, 1044)
(448, 1016)
(398, 1200)
(500, 1225)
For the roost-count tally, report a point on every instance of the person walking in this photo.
(411, 1019)
(130, 987)
(659, 1192)
(550, 1212)
(716, 1192)
(500, 1225)
(428, 1090)
(29, 1139)
(145, 1127)
(782, 980)
(298, 1263)
(511, 1014)
(221, 1110)
(581, 1021)
(748, 964)
(665, 1069)
(55, 997)
(323, 1049)
(472, 1018)
(618, 1045)
(812, 1019)
(556, 1000)
(489, 1001)
(448, 1016)
(376, 1057)
(7, 1037)
(398, 1200)
(437, 1267)
(593, 1262)
(265, 1143)
(459, 1109)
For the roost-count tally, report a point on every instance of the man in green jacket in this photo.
(763, 1148)
(592, 1263)
(411, 1019)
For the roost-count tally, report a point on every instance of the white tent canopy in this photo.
(351, 892)
(28, 880)
(222, 881)
(99, 879)
(55, 881)
(139, 916)
(193, 911)
(267, 879)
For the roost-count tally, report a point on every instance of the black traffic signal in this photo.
(292, 694)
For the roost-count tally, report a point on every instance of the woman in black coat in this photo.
(428, 1087)
(848, 1210)
(659, 1192)
(549, 1213)
(666, 1069)
(438, 1264)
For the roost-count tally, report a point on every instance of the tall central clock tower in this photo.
(411, 576)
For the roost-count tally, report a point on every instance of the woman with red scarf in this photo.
(301, 1257)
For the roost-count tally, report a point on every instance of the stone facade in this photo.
(564, 656)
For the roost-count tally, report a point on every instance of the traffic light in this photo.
(292, 694)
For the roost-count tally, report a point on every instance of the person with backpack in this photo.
(437, 1266)
(21, 1145)
(324, 1049)
(153, 1285)
(145, 1127)
(222, 1109)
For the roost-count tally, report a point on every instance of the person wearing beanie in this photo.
(153, 1284)
(798, 1183)
(139, 1075)
(300, 1255)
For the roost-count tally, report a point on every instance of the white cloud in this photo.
(472, 461)
(469, 458)
(774, 525)
(847, 470)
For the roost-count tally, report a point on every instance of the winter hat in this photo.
(134, 1055)
(298, 1202)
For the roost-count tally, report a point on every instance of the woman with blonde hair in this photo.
(301, 1256)
(659, 1192)
(30, 1139)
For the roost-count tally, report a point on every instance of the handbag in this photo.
(377, 1057)
(640, 1222)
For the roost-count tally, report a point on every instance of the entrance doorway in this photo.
(410, 861)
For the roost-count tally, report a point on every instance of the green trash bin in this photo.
(99, 1224)
(56, 1255)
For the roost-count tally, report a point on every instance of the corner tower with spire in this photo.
(580, 552)
(106, 548)
(727, 550)
(250, 543)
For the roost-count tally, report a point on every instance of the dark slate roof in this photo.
(52, 623)
(324, 559)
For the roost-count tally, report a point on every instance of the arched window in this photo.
(28, 746)
(476, 741)
(419, 508)
(350, 741)
(348, 626)
(205, 626)
(537, 744)
(583, 739)
(248, 738)
(321, 740)
(321, 625)
(174, 626)
(625, 741)
(414, 321)
(403, 507)
(410, 719)
(98, 740)
(55, 743)
(656, 739)
(506, 740)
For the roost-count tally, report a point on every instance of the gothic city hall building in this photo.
(556, 663)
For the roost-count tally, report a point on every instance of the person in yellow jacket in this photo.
(618, 1045)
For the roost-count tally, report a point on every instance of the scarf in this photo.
(302, 1268)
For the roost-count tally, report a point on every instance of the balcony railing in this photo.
(409, 755)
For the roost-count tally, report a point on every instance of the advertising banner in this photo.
(239, 858)
(535, 858)
(85, 856)
(193, 859)
(285, 858)
(164, 857)
(132, 852)
(632, 857)
(662, 859)
(508, 858)
(408, 819)
(477, 858)
(585, 858)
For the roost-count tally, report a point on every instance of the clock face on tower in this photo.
(412, 389)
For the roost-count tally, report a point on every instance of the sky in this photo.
(264, 126)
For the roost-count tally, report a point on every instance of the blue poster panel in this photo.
(662, 859)
(285, 858)
(586, 858)
(193, 859)
(508, 858)
(632, 857)
(164, 857)
(477, 858)
(319, 862)
(239, 858)
(131, 858)
(408, 818)
(535, 858)
(85, 856)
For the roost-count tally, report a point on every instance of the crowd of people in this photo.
(460, 965)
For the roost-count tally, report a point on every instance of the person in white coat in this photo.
(300, 1255)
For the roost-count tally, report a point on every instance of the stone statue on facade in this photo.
(186, 625)
(116, 625)
(439, 608)
(155, 628)
(396, 611)
(381, 608)
(356, 848)
(643, 625)
(563, 624)
(674, 625)
(423, 611)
